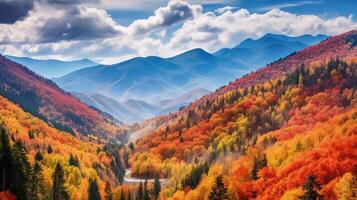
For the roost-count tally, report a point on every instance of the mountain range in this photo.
(131, 111)
(52, 68)
(154, 79)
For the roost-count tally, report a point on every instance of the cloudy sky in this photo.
(109, 31)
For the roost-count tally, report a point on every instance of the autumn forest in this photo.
(284, 131)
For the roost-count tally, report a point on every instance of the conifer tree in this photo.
(93, 190)
(108, 192)
(311, 188)
(157, 187)
(7, 163)
(39, 156)
(37, 188)
(219, 191)
(122, 196)
(129, 195)
(140, 192)
(73, 161)
(22, 168)
(59, 191)
(49, 149)
(146, 195)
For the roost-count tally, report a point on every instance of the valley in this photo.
(271, 118)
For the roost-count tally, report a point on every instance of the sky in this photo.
(110, 31)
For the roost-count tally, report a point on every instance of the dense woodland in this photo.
(290, 136)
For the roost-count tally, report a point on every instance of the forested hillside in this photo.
(42, 98)
(283, 132)
(41, 162)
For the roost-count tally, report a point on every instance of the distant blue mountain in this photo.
(157, 81)
(52, 68)
(270, 47)
(133, 110)
(153, 78)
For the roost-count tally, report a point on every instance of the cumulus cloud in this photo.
(83, 31)
(211, 31)
(14, 10)
(225, 9)
(174, 12)
(80, 23)
(49, 23)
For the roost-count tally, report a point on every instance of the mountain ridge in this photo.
(51, 68)
(43, 98)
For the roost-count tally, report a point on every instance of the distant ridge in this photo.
(52, 68)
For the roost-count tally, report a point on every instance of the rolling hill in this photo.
(266, 135)
(42, 98)
(52, 68)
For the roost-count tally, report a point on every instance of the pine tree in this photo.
(39, 156)
(129, 195)
(49, 149)
(157, 187)
(73, 161)
(37, 188)
(93, 190)
(108, 192)
(23, 171)
(311, 187)
(219, 191)
(59, 191)
(122, 196)
(146, 195)
(7, 163)
(140, 194)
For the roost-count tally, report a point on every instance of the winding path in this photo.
(132, 180)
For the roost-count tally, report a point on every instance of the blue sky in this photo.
(323, 8)
(110, 31)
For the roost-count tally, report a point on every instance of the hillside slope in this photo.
(267, 133)
(44, 99)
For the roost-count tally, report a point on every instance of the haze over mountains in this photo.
(154, 79)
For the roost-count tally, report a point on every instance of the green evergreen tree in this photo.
(122, 196)
(140, 194)
(108, 192)
(93, 190)
(59, 191)
(73, 161)
(157, 187)
(22, 169)
(39, 156)
(37, 188)
(129, 195)
(49, 149)
(219, 191)
(311, 188)
(7, 163)
(146, 195)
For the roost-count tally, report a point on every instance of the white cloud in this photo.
(152, 36)
(225, 9)
(176, 11)
(48, 23)
(212, 32)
